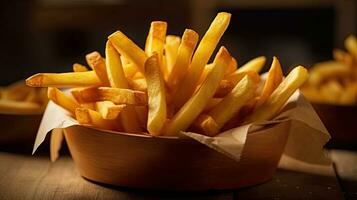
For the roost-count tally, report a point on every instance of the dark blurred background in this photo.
(50, 35)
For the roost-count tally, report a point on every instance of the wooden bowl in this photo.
(141, 161)
(19, 129)
(340, 121)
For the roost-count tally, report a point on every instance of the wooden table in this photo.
(34, 177)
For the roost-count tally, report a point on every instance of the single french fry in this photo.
(20, 107)
(129, 49)
(79, 68)
(62, 80)
(138, 84)
(155, 42)
(114, 69)
(156, 39)
(129, 69)
(183, 58)
(97, 63)
(224, 88)
(93, 118)
(90, 105)
(116, 95)
(194, 106)
(171, 51)
(206, 125)
(200, 58)
(156, 94)
(351, 45)
(232, 67)
(255, 65)
(233, 102)
(275, 76)
(59, 98)
(108, 109)
(279, 97)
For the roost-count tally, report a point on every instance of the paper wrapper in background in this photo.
(303, 152)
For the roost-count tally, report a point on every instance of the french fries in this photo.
(201, 57)
(129, 49)
(116, 95)
(93, 118)
(108, 109)
(169, 86)
(275, 76)
(79, 68)
(18, 98)
(61, 99)
(157, 98)
(281, 94)
(334, 82)
(61, 80)
(194, 106)
(183, 58)
(117, 79)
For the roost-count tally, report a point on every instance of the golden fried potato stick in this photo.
(200, 58)
(129, 69)
(108, 109)
(183, 59)
(351, 45)
(97, 63)
(275, 76)
(224, 88)
(155, 43)
(206, 125)
(155, 40)
(59, 98)
(117, 79)
(79, 68)
(256, 65)
(128, 49)
(232, 103)
(172, 44)
(194, 106)
(93, 118)
(116, 95)
(62, 80)
(20, 107)
(138, 84)
(232, 67)
(279, 97)
(156, 95)
(114, 69)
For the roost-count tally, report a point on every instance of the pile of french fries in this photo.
(335, 82)
(18, 98)
(169, 86)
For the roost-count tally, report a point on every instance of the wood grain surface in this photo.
(35, 177)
